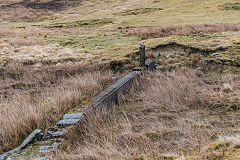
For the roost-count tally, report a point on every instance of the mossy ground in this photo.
(31, 151)
(82, 23)
(218, 150)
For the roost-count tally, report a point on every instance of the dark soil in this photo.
(231, 6)
(51, 5)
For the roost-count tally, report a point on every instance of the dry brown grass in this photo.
(171, 112)
(4, 33)
(226, 147)
(32, 10)
(32, 99)
(183, 30)
(19, 13)
(30, 41)
(25, 37)
(33, 36)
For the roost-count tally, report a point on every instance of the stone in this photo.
(59, 65)
(40, 158)
(110, 95)
(114, 78)
(34, 135)
(69, 63)
(45, 149)
(57, 134)
(37, 65)
(150, 64)
(5, 155)
(73, 116)
(65, 122)
(55, 146)
(138, 68)
(48, 149)
(54, 133)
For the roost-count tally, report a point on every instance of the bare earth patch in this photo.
(231, 6)
(30, 9)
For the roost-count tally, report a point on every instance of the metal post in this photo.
(142, 55)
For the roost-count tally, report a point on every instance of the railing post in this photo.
(142, 55)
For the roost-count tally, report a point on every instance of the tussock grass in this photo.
(182, 30)
(26, 37)
(32, 10)
(169, 113)
(226, 147)
(32, 99)
(26, 41)
(19, 13)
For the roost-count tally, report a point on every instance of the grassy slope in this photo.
(92, 27)
(89, 33)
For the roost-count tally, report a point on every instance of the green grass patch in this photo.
(138, 11)
(94, 42)
(31, 151)
(208, 42)
(91, 23)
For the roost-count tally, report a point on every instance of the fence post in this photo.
(142, 55)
